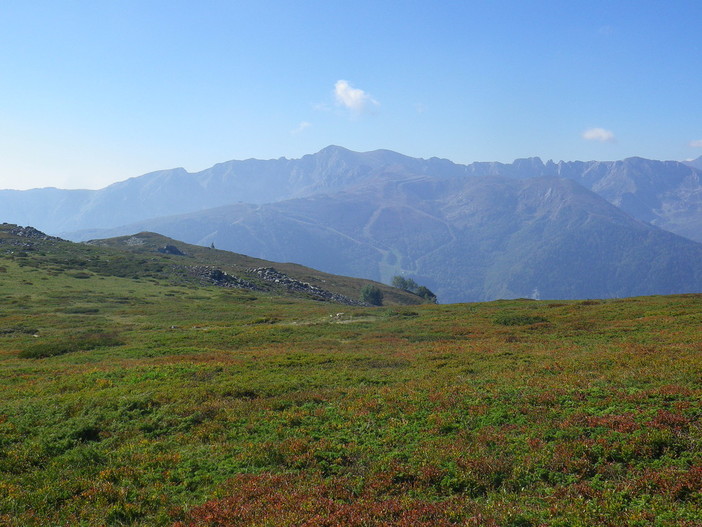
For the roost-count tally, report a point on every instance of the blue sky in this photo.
(100, 91)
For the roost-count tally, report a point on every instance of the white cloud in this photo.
(599, 134)
(355, 100)
(304, 125)
(696, 144)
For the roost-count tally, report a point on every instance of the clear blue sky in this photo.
(93, 92)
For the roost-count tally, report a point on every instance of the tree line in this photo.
(371, 294)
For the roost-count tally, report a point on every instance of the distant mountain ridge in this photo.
(469, 232)
(176, 191)
(665, 193)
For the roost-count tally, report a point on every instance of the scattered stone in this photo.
(171, 249)
(133, 241)
(213, 276)
(31, 233)
(23, 237)
(269, 274)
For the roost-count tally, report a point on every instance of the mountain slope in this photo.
(667, 194)
(465, 238)
(695, 163)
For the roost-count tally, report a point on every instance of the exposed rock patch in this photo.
(171, 249)
(269, 274)
(133, 241)
(24, 238)
(29, 233)
(213, 276)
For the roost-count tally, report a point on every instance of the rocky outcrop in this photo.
(209, 275)
(171, 249)
(270, 275)
(212, 276)
(15, 237)
(28, 233)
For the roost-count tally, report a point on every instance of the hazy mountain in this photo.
(665, 193)
(177, 191)
(469, 238)
(695, 163)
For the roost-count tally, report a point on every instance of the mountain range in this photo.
(468, 232)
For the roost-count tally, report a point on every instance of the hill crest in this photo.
(153, 256)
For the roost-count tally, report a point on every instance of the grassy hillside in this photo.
(137, 401)
(150, 256)
(148, 243)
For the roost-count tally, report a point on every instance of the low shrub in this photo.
(371, 294)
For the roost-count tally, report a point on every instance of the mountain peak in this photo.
(334, 149)
(525, 161)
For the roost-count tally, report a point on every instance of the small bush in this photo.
(426, 294)
(370, 294)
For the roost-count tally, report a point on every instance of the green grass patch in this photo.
(71, 343)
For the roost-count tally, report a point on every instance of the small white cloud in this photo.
(304, 125)
(599, 134)
(696, 144)
(355, 100)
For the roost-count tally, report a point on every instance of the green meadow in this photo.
(131, 396)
